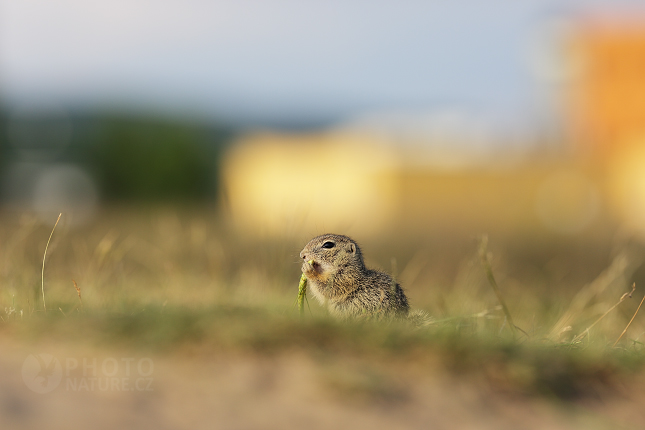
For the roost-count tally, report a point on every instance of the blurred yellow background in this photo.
(363, 181)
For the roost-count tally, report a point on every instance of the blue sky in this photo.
(276, 61)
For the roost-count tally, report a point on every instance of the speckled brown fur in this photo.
(338, 278)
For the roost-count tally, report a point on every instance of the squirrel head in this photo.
(327, 254)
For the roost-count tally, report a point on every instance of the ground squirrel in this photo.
(337, 277)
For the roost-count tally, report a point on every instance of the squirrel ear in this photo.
(352, 248)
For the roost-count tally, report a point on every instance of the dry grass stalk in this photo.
(630, 321)
(78, 290)
(42, 273)
(488, 313)
(582, 335)
(483, 253)
(621, 266)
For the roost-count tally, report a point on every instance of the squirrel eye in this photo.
(328, 245)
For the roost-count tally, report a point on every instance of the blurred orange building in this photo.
(606, 112)
(607, 106)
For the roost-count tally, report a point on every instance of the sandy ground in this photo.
(294, 389)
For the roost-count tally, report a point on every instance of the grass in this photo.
(557, 371)
(173, 281)
(42, 273)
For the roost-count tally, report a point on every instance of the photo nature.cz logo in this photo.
(43, 373)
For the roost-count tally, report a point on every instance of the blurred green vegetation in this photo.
(131, 158)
